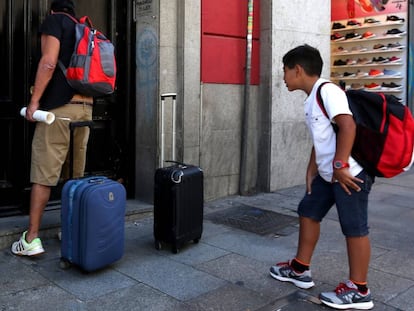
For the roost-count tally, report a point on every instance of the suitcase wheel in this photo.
(157, 245)
(196, 240)
(175, 249)
(64, 264)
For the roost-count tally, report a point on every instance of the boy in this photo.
(332, 177)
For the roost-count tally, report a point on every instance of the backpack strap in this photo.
(68, 15)
(319, 99)
(61, 66)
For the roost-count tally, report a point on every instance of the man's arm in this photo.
(50, 52)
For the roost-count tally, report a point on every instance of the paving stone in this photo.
(229, 298)
(196, 254)
(385, 286)
(396, 263)
(299, 300)
(403, 300)
(40, 298)
(17, 276)
(265, 249)
(166, 275)
(247, 272)
(137, 297)
(85, 286)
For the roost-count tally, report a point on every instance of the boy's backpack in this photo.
(384, 142)
(92, 67)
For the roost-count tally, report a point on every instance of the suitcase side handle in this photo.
(176, 176)
(97, 180)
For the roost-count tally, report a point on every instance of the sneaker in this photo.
(349, 74)
(336, 74)
(375, 73)
(380, 60)
(394, 59)
(285, 273)
(340, 50)
(351, 62)
(396, 45)
(357, 86)
(22, 248)
(371, 21)
(347, 296)
(339, 62)
(379, 46)
(394, 18)
(337, 37)
(359, 48)
(361, 74)
(353, 23)
(395, 31)
(389, 72)
(363, 61)
(352, 36)
(372, 86)
(392, 85)
(338, 26)
(368, 34)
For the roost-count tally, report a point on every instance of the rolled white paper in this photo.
(40, 115)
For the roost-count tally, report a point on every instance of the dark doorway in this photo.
(110, 143)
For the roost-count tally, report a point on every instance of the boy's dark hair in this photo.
(66, 6)
(307, 57)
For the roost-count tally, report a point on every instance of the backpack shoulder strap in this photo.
(319, 99)
(68, 15)
(61, 66)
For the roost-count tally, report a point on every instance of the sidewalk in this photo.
(228, 269)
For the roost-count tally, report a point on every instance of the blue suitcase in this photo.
(93, 219)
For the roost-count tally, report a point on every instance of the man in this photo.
(332, 177)
(50, 143)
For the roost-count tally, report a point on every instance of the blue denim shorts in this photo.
(352, 209)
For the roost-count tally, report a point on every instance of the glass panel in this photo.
(5, 44)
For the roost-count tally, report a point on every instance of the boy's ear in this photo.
(298, 69)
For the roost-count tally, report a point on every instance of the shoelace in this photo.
(283, 264)
(341, 288)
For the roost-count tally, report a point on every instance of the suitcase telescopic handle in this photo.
(173, 96)
(72, 126)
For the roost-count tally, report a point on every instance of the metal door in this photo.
(19, 51)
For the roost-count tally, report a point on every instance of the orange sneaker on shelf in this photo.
(372, 86)
(375, 73)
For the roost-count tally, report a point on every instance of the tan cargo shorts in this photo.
(50, 145)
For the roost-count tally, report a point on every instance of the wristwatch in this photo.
(338, 164)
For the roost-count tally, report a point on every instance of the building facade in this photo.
(247, 137)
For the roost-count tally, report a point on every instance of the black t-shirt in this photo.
(58, 91)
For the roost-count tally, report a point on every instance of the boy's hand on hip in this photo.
(346, 180)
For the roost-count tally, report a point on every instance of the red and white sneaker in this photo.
(284, 272)
(347, 296)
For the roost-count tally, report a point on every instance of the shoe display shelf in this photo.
(370, 53)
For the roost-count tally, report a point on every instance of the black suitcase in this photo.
(178, 198)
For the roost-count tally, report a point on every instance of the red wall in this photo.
(223, 42)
